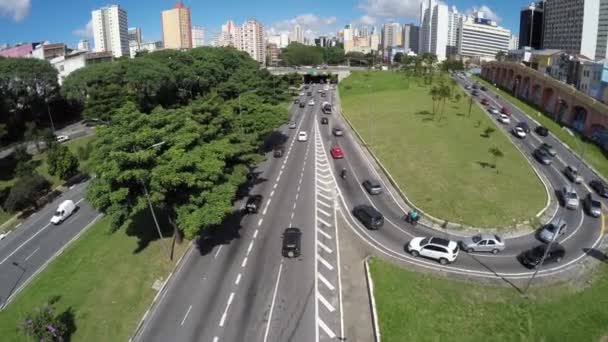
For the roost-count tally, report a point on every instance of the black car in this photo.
(278, 152)
(302, 104)
(542, 131)
(369, 216)
(296, 101)
(542, 156)
(475, 86)
(292, 238)
(254, 203)
(532, 257)
(324, 121)
(475, 92)
(599, 187)
(322, 94)
(309, 93)
(372, 187)
(524, 126)
(337, 132)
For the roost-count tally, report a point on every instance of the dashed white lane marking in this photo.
(264, 212)
(324, 301)
(225, 315)
(260, 221)
(244, 263)
(218, 251)
(216, 339)
(25, 242)
(186, 315)
(326, 329)
(238, 279)
(272, 193)
(250, 247)
(326, 282)
(325, 263)
(275, 185)
(274, 297)
(280, 173)
(323, 221)
(325, 248)
(255, 234)
(34, 252)
(327, 236)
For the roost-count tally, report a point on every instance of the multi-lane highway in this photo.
(26, 250)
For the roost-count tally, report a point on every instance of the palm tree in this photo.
(470, 104)
(445, 92)
(435, 94)
(496, 153)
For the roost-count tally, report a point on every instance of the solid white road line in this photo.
(327, 236)
(274, 297)
(186, 315)
(34, 252)
(218, 251)
(580, 224)
(327, 305)
(325, 263)
(238, 279)
(327, 249)
(24, 243)
(326, 329)
(325, 281)
(316, 266)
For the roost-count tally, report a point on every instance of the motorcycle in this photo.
(343, 174)
(411, 219)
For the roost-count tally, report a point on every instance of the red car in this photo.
(505, 111)
(336, 152)
(485, 102)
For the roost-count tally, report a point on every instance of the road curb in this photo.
(45, 265)
(160, 291)
(372, 300)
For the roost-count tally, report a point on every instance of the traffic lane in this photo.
(39, 250)
(37, 221)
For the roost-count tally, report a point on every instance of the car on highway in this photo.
(302, 94)
(292, 240)
(503, 118)
(324, 121)
(311, 102)
(518, 132)
(485, 102)
(307, 86)
(548, 231)
(475, 93)
(292, 125)
(254, 203)
(505, 111)
(569, 197)
(573, 175)
(65, 209)
(533, 257)
(549, 149)
(600, 187)
(309, 93)
(302, 136)
(3, 235)
(482, 243)
(372, 187)
(62, 138)
(302, 104)
(370, 217)
(592, 206)
(467, 87)
(337, 131)
(323, 95)
(542, 131)
(336, 152)
(493, 110)
(542, 156)
(442, 250)
(475, 86)
(524, 126)
(278, 152)
(296, 101)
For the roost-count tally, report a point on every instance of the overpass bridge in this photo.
(310, 73)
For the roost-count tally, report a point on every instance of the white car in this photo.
(62, 138)
(311, 102)
(519, 132)
(494, 110)
(442, 250)
(504, 119)
(302, 94)
(302, 136)
(3, 235)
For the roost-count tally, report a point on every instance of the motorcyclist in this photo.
(413, 216)
(343, 173)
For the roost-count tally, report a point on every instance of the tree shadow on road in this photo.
(272, 141)
(597, 254)
(221, 234)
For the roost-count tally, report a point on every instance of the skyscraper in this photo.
(84, 45)
(531, 25)
(176, 27)
(453, 25)
(250, 38)
(134, 35)
(391, 35)
(411, 34)
(297, 35)
(198, 36)
(110, 30)
(601, 51)
(434, 29)
(481, 37)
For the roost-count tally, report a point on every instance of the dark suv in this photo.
(278, 152)
(254, 203)
(369, 216)
(292, 238)
(532, 257)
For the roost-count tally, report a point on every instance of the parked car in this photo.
(493, 110)
(573, 175)
(337, 131)
(336, 152)
(324, 121)
(518, 132)
(549, 149)
(254, 203)
(542, 131)
(485, 102)
(65, 209)
(569, 197)
(505, 111)
(442, 250)
(548, 231)
(278, 152)
(292, 125)
(524, 126)
(600, 187)
(62, 138)
(372, 187)
(482, 243)
(292, 240)
(542, 156)
(533, 257)
(369, 216)
(302, 136)
(592, 206)
(503, 118)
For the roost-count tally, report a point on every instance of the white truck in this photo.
(66, 208)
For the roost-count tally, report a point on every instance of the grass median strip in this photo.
(421, 307)
(445, 166)
(105, 279)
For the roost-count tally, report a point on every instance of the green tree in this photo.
(25, 192)
(398, 58)
(3, 131)
(500, 55)
(44, 324)
(435, 93)
(61, 162)
(300, 54)
(334, 55)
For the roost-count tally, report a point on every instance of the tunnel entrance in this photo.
(318, 77)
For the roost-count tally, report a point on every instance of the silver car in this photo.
(573, 175)
(548, 231)
(569, 197)
(482, 243)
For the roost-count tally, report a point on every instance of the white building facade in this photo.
(483, 38)
(297, 35)
(434, 28)
(250, 38)
(84, 45)
(198, 36)
(110, 30)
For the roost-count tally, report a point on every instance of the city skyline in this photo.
(29, 19)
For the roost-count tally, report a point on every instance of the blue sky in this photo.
(66, 20)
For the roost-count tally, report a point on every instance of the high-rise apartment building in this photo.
(134, 35)
(481, 37)
(434, 28)
(177, 27)
(572, 26)
(250, 38)
(514, 42)
(198, 36)
(84, 45)
(601, 51)
(280, 40)
(531, 25)
(410, 38)
(453, 25)
(297, 35)
(391, 35)
(272, 54)
(110, 30)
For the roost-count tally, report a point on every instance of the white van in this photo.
(66, 208)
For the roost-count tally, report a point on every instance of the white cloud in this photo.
(367, 20)
(311, 25)
(18, 9)
(487, 13)
(86, 31)
(391, 8)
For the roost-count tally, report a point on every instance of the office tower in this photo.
(177, 27)
(110, 30)
(602, 33)
(453, 25)
(480, 37)
(84, 45)
(410, 38)
(297, 35)
(531, 25)
(250, 38)
(198, 36)
(514, 42)
(391, 35)
(434, 31)
(134, 35)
